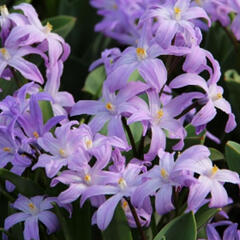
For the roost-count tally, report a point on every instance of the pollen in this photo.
(214, 170)
(141, 53)
(115, 6)
(88, 143)
(124, 204)
(31, 206)
(48, 28)
(109, 106)
(199, 2)
(4, 10)
(164, 173)
(35, 134)
(87, 178)
(5, 53)
(160, 114)
(219, 96)
(7, 149)
(177, 12)
(122, 183)
(62, 152)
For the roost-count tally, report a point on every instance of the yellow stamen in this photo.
(87, 178)
(7, 149)
(214, 170)
(177, 12)
(122, 183)
(62, 152)
(35, 134)
(4, 10)
(88, 143)
(219, 96)
(5, 53)
(164, 173)
(160, 114)
(109, 106)
(115, 6)
(124, 204)
(48, 28)
(141, 53)
(199, 2)
(31, 206)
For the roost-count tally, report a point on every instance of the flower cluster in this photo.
(110, 168)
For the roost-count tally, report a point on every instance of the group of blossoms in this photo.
(97, 168)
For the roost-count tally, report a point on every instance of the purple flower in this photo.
(142, 58)
(211, 179)
(61, 101)
(236, 22)
(82, 176)
(213, 98)
(13, 57)
(174, 16)
(34, 32)
(230, 233)
(110, 108)
(122, 185)
(159, 117)
(33, 210)
(159, 181)
(144, 214)
(63, 148)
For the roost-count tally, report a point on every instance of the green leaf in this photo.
(63, 222)
(192, 138)
(22, 1)
(204, 214)
(8, 88)
(232, 82)
(182, 227)
(23, 185)
(62, 25)
(232, 153)
(215, 154)
(136, 129)
(94, 82)
(118, 228)
(47, 110)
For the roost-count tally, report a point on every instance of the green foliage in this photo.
(94, 82)
(62, 25)
(182, 227)
(25, 186)
(215, 154)
(232, 153)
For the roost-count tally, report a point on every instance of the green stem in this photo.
(131, 138)
(135, 216)
(234, 41)
(7, 195)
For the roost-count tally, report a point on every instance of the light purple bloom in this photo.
(110, 108)
(174, 16)
(33, 210)
(123, 185)
(230, 233)
(211, 178)
(159, 117)
(160, 181)
(36, 33)
(61, 101)
(13, 57)
(212, 99)
(63, 148)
